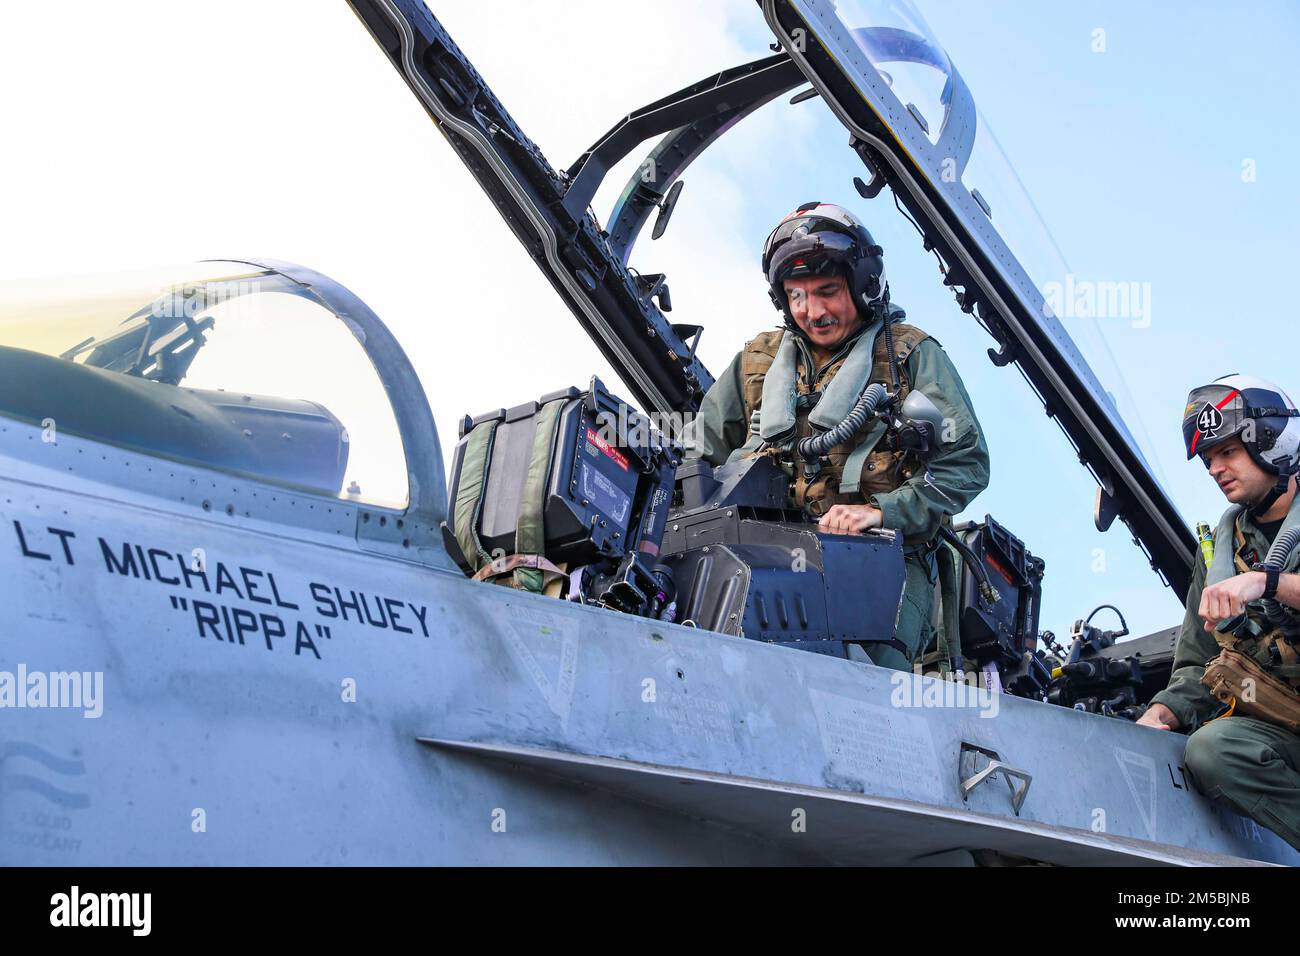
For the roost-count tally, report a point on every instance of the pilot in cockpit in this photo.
(827, 277)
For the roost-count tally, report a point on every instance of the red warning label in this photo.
(609, 450)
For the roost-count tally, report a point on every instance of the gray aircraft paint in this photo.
(531, 711)
(496, 727)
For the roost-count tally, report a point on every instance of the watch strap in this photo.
(1271, 575)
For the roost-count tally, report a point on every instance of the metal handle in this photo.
(995, 766)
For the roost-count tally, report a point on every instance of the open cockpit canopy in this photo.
(913, 122)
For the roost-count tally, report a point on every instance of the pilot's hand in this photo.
(1229, 598)
(850, 519)
(1160, 717)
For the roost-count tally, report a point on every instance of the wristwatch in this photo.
(1271, 574)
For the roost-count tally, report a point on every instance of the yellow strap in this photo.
(1227, 713)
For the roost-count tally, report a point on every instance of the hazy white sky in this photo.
(164, 132)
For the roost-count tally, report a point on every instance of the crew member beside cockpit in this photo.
(827, 276)
(1245, 608)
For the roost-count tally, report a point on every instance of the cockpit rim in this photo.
(410, 532)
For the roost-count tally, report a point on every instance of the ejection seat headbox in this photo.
(577, 477)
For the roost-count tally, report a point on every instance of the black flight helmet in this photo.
(819, 239)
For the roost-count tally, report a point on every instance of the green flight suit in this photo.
(957, 472)
(1249, 765)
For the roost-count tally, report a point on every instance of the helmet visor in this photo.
(808, 254)
(1213, 415)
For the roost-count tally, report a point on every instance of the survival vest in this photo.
(870, 471)
(1257, 672)
(1272, 649)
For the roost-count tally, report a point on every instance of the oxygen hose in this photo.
(813, 448)
(1277, 557)
(986, 589)
(810, 449)
(1283, 546)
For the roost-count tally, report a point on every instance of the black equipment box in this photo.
(740, 572)
(607, 478)
(1009, 627)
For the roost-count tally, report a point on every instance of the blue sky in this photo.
(1134, 158)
